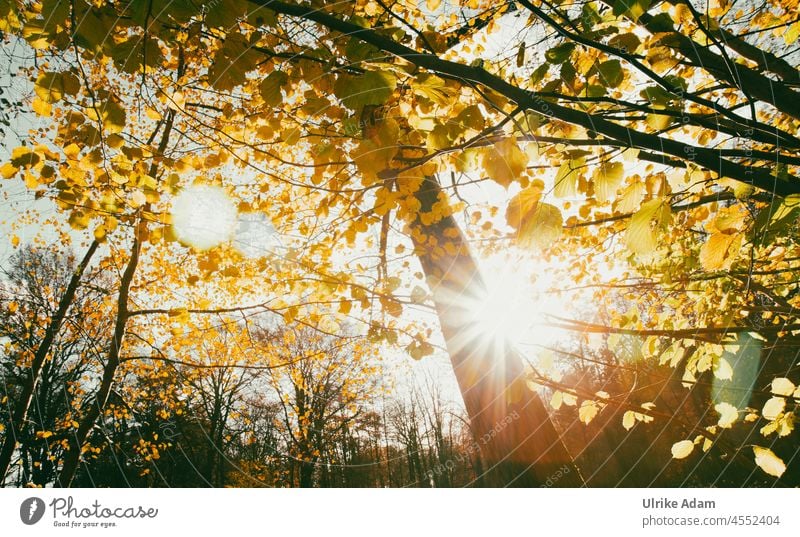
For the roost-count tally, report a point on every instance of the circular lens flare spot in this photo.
(255, 236)
(203, 216)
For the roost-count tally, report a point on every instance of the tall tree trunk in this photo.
(20, 413)
(518, 441)
(306, 473)
(73, 455)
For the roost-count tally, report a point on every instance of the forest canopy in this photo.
(233, 224)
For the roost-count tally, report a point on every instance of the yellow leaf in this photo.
(78, 220)
(567, 176)
(42, 107)
(155, 115)
(391, 306)
(8, 170)
(792, 33)
(270, 88)
(631, 198)
(719, 251)
(658, 122)
(472, 118)
(115, 141)
(556, 400)
(51, 87)
(588, 411)
(651, 216)
(72, 151)
(114, 116)
(117, 177)
(682, 449)
(23, 156)
(418, 295)
(607, 178)
(705, 362)
(100, 233)
(782, 386)
(522, 203)
(371, 88)
(628, 419)
(773, 408)
(729, 219)
(536, 222)
(14, 240)
(375, 153)
(345, 306)
(728, 414)
(138, 198)
(31, 181)
(688, 378)
(176, 101)
(785, 425)
(419, 350)
(673, 354)
(768, 461)
(505, 161)
(661, 58)
(723, 369)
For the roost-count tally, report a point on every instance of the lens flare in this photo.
(255, 236)
(203, 216)
(505, 308)
(515, 303)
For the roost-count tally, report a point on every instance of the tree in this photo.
(321, 385)
(257, 449)
(218, 396)
(43, 359)
(648, 118)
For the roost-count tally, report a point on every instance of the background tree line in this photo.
(311, 410)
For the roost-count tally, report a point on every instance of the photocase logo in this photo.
(31, 511)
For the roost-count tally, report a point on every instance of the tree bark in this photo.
(517, 439)
(73, 455)
(306, 474)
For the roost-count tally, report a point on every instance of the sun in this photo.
(519, 294)
(204, 216)
(504, 310)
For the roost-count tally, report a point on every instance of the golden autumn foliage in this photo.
(345, 167)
